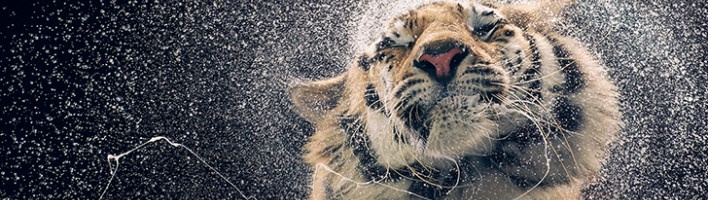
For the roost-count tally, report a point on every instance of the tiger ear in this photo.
(312, 100)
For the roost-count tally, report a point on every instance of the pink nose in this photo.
(441, 62)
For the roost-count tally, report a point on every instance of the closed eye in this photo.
(484, 29)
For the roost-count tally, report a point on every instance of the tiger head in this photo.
(484, 83)
(432, 80)
(436, 79)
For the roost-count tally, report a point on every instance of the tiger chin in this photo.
(469, 100)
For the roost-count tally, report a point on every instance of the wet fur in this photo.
(527, 114)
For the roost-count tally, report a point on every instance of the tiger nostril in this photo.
(426, 66)
(441, 65)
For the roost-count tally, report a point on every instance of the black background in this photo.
(85, 79)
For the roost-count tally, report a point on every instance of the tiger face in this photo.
(460, 100)
(437, 81)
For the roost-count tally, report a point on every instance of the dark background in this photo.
(84, 79)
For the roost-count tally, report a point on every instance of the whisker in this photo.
(548, 163)
(562, 132)
(566, 144)
(326, 168)
(534, 90)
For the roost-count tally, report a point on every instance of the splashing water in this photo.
(83, 80)
(114, 163)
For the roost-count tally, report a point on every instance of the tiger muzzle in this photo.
(440, 59)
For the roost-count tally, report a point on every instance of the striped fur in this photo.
(525, 112)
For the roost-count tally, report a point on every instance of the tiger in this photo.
(462, 100)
